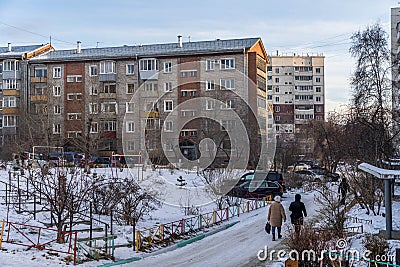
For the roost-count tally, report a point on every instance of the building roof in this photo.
(188, 48)
(17, 51)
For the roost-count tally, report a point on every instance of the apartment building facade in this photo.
(94, 97)
(296, 92)
(395, 52)
(14, 80)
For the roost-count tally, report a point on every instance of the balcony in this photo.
(36, 98)
(107, 95)
(10, 111)
(11, 92)
(11, 74)
(38, 79)
(150, 114)
(148, 74)
(108, 77)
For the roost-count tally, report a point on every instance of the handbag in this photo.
(268, 228)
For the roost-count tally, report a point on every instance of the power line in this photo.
(34, 33)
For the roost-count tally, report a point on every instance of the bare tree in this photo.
(371, 101)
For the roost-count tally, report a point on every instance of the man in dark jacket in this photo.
(343, 188)
(298, 210)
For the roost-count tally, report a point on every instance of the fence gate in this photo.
(41, 238)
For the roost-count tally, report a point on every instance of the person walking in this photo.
(343, 188)
(299, 211)
(276, 214)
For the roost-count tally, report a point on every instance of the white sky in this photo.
(288, 26)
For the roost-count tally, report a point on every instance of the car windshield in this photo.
(249, 177)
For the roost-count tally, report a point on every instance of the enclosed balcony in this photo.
(11, 74)
(108, 77)
(36, 98)
(38, 79)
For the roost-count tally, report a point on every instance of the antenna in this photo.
(50, 39)
(189, 38)
(97, 44)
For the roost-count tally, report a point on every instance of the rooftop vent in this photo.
(9, 47)
(78, 47)
(180, 41)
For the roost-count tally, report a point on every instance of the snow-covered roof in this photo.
(379, 172)
(188, 48)
(17, 51)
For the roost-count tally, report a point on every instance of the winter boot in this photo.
(273, 237)
(279, 236)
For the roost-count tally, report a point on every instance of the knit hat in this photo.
(277, 198)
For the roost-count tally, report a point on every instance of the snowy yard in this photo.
(235, 246)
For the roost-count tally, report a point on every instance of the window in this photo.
(78, 96)
(193, 73)
(228, 125)
(318, 109)
(269, 97)
(318, 70)
(93, 108)
(11, 65)
(74, 116)
(318, 79)
(107, 67)
(57, 72)
(109, 107)
(167, 67)
(277, 80)
(94, 127)
(130, 69)
(57, 109)
(40, 72)
(190, 92)
(1, 68)
(130, 127)
(168, 105)
(56, 128)
(276, 98)
(11, 84)
(130, 107)
(188, 113)
(193, 133)
(303, 78)
(93, 90)
(148, 64)
(277, 118)
(227, 84)
(9, 102)
(210, 104)
(9, 121)
(150, 86)
(277, 90)
(210, 64)
(261, 103)
(110, 88)
(277, 109)
(130, 88)
(184, 133)
(93, 70)
(168, 126)
(108, 126)
(318, 99)
(168, 87)
(73, 134)
(70, 96)
(210, 85)
(227, 63)
(184, 74)
(74, 78)
(56, 90)
(228, 104)
(318, 89)
(276, 70)
(130, 145)
(303, 97)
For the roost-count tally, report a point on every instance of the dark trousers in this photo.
(273, 230)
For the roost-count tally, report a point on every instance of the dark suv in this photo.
(263, 175)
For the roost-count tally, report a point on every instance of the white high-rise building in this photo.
(296, 92)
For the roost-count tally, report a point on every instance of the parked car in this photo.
(263, 175)
(101, 162)
(328, 176)
(257, 189)
(55, 161)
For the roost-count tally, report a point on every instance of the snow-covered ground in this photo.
(235, 246)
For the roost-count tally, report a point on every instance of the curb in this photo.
(173, 247)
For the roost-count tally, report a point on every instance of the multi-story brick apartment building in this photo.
(87, 94)
(14, 80)
(296, 92)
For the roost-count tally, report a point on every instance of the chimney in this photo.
(9, 47)
(180, 41)
(78, 47)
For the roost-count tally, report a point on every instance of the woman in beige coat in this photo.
(276, 214)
